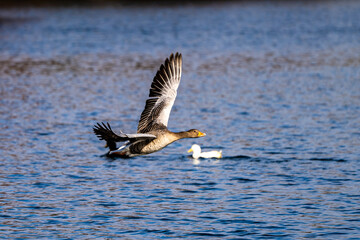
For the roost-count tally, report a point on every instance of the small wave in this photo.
(37, 207)
(274, 153)
(79, 177)
(274, 235)
(201, 184)
(239, 221)
(42, 184)
(188, 191)
(327, 159)
(108, 204)
(101, 217)
(132, 217)
(45, 133)
(237, 157)
(205, 234)
(162, 231)
(242, 180)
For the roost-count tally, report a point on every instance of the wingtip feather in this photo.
(166, 81)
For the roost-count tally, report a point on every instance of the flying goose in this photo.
(152, 132)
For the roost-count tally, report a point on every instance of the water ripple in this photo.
(274, 86)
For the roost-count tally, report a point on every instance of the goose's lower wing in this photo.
(104, 132)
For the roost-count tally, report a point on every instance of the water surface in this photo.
(276, 86)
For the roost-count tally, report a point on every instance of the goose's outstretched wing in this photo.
(104, 132)
(162, 95)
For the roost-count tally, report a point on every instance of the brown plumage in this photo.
(152, 134)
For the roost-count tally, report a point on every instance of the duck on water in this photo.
(152, 132)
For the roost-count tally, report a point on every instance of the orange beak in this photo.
(200, 134)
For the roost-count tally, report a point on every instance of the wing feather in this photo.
(162, 95)
(104, 132)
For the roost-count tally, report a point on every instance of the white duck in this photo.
(196, 149)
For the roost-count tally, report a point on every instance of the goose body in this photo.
(196, 150)
(152, 133)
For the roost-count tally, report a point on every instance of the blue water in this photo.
(276, 87)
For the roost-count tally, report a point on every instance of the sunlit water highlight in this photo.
(275, 86)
